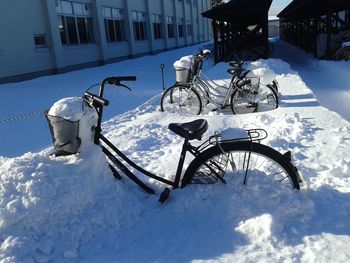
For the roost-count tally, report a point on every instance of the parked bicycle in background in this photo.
(194, 90)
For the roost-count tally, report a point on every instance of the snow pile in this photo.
(184, 62)
(48, 205)
(233, 133)
(70, 209)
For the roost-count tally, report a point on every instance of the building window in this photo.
(75, 23)
(180, 27)
(157, 26)
(170, 26)
(114, 24)
(139, 25)
(40, 40)
(189, 28)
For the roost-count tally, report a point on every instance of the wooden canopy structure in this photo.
(317, 26)
(240, 29)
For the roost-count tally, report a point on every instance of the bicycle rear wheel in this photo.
(181, 99)
(249, 101)
(250, 162)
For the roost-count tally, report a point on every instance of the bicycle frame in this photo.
(121, 161)
(202, 83)
(208, 88)
(113, 154)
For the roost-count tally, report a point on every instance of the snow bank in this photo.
(184, 62)
(49, 204)
(70, 209)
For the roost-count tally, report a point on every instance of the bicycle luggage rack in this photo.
(253, 135)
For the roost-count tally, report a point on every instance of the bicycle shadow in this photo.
(211, 109)
(304, 100)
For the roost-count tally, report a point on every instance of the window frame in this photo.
(180, 27)
(139, 25)
(114, 23)
(189, 28)
(157, 26)
(170, 26)
(72, 34)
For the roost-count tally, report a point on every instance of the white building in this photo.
(274, 26)
(40, 37)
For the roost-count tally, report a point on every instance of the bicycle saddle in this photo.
(190, 130)
(235, 71)
(236, 63)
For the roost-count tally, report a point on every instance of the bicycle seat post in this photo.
(181, 163)
(99, 110)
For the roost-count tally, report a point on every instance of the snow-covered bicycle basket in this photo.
(71, 124)
(183, 69)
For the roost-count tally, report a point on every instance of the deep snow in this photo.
(70, 209)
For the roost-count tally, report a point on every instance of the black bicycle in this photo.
(215, 159)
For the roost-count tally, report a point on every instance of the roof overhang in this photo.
(241, 12)
(302, 9)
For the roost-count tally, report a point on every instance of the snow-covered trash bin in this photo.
(183, 69)
(71, 123)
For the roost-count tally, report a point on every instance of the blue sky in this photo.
(278, 5)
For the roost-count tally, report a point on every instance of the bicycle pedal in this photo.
(164, 195)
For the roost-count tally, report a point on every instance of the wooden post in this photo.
(329, 29)
(215, 33)
(265, 31)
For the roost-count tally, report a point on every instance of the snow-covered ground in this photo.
(70, 209)
(329, 81)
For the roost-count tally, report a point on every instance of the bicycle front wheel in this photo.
(181, 99)
(248, 162)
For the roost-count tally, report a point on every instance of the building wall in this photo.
(18, 55)
(20, 58)
(274, 28)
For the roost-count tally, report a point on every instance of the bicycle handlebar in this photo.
(98, 100)
(92, 99)
(203, 54)
(127, 78)
(117, 80)
(236, 64)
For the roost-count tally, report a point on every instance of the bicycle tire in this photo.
(202, 92)
(264, 161)
(342, 54)
(204, 96)
(243, 101)
(181, 99)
